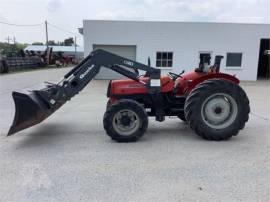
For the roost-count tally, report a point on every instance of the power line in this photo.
(20, 25)
(61, 29)
(46, 23)
(34, 25)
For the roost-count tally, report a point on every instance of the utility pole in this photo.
(47, 56)
(75, 43)
(46, 28)
(8, 39)
(14, 44)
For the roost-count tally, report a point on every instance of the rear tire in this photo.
(217, 109)
(125, 121)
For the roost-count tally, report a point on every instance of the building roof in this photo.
(55, 48)
(179, 22)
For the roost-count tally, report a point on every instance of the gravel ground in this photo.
(69, 157)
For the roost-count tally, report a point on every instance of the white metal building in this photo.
(176, 46)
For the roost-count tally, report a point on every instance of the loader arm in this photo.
(83, 73)
(33, 108)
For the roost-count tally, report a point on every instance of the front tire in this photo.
(108, 104)
(217, 109)
(125, 121)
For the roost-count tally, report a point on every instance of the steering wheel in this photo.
(175, 76)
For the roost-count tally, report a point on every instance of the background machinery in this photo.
(212, 103)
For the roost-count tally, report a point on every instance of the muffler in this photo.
(31, 109)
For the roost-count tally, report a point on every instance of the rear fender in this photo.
(192, 84)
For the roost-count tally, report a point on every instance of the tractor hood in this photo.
(129, 86)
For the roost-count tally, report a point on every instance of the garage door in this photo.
(124, 51)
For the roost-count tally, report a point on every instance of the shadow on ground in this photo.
(55, 134)
(47, 134)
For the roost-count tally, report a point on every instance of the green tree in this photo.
(69, 41)
(37, 43)
(20, 46)
(60, 43)
(52, 43)
(6, 48)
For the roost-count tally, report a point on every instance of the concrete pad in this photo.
(68, 157)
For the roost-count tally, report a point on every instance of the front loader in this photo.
(212, 103)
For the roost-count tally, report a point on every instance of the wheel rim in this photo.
(219, 110)
(126, 122)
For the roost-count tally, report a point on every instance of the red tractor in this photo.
(212, 103)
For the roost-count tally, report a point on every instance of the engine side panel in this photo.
(129, 86)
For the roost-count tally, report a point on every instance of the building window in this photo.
(234, 60)
(164, 59)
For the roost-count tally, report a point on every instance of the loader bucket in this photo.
(30, 110)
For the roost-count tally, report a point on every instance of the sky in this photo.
(68, 15)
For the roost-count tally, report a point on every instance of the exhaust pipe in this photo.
(30, 109)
